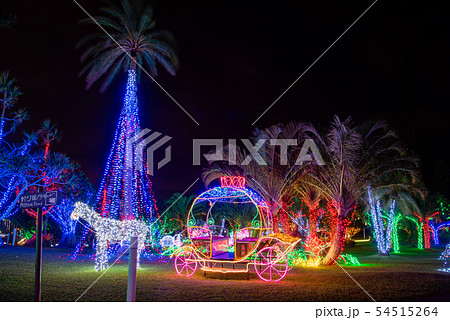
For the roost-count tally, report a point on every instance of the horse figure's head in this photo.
(80, 207)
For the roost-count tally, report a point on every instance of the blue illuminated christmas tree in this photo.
(125, 191)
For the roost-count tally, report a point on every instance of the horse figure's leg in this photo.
(101, 256)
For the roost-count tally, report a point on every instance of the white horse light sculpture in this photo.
(109, 230)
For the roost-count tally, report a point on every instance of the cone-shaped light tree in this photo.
(133, 43)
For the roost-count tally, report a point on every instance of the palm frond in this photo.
(132, 26)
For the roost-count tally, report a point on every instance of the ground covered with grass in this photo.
(410, 275)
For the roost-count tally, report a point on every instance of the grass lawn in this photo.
(410, 275)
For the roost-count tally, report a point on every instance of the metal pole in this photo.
(38, 261)
(132, 269)
(45, 224)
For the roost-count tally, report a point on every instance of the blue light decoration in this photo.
(436, 229)
(445, 256)
(124, 193)
(112, 200)
(61, 215)
(80, 246)
(382, 230)
(6, 201)
(9, 201)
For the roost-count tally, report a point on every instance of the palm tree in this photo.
(356, 158)
(425, 206)
(132, 41)
(48, 133)
(177, 207)
(137, 43)
(311, 196)
(7, 20)
(9, 94)
(274, 180)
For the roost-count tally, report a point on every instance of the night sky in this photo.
(236, 58)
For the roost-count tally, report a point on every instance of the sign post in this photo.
(37, 201)
(38, 258)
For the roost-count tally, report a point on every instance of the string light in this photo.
(232, 181)
(208, 247)
(425, 225)
(382, 231)
(8, 203)
(436, 230)
(445, 256)
(123, 190)
(348, 260)
(394, 235)
(109, 230)
(111, 199)
(419, 231)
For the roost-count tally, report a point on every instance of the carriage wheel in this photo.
(185, 263)
(271, 264)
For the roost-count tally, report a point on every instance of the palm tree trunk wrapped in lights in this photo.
(355, 157)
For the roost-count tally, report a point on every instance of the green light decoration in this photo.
(191, 222)
(394, 235)
(255, 222)
(27, 234)
(211, 221)
(168, 252)
(348, 260)
(419, 226)
(297, 257)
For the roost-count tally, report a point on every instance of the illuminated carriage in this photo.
(215, 249)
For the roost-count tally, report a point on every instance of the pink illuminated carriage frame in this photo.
(212, 247)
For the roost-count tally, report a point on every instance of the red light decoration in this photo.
(232, 182)
(426, 227)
